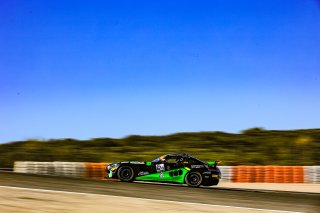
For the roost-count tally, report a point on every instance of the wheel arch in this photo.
(196, 172)
(129, 166)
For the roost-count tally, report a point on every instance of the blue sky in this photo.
(88, 69)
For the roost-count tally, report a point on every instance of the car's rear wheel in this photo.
(126, 173)
(193, 179)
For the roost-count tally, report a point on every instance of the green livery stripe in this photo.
(175, 176)
(210, 163)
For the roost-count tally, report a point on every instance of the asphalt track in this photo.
(285, 201)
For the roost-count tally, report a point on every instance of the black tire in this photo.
(193, 179)
(126, 173)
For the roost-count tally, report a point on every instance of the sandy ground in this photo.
(20, 200)
(292, 187)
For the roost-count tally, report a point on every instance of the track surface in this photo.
(301, 202)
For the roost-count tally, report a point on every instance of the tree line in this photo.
(255, 146)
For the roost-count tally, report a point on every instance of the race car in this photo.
(170, 168)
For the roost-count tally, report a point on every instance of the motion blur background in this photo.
(80, 69)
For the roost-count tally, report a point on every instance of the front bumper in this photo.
(111, 170)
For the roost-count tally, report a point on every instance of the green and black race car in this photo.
(170, 168)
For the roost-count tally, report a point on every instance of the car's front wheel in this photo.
(126, 173)
(193, 179)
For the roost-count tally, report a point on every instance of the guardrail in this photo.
(241, 174)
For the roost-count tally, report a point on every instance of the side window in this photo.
(172, 160)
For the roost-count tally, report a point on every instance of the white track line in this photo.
(147, 199)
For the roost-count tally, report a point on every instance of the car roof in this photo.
(183, 155)
(178, 155)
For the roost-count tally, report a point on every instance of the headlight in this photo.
(112, 167)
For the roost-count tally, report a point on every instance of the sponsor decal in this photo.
(197, 166)
(161, 175)
(136, 162)
(143, 173)
(206, 173)
(160, 167)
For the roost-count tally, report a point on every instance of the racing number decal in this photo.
(160, 167)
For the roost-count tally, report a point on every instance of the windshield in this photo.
(162, 158)
(156, 160)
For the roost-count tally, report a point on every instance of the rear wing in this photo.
(213, 163)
